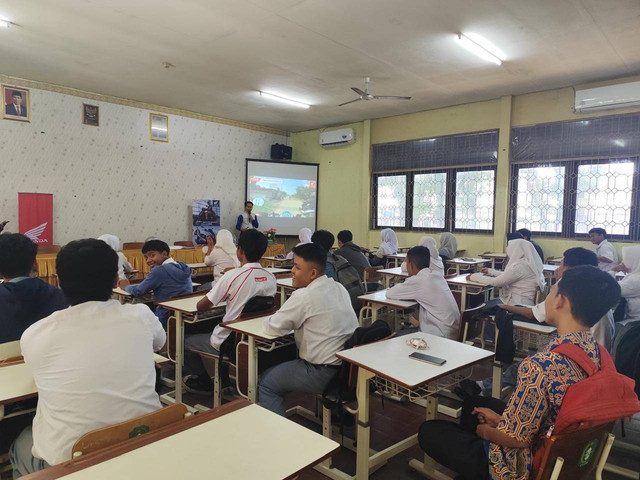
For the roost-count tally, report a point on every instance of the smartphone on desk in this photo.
(428, 359)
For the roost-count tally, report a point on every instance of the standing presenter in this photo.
(247, 221)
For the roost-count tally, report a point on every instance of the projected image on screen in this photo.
(283, 197)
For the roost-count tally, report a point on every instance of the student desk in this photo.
(389, 273)
(185, 310)
(494, 257)
(16, 384)
(46, 264)
(199, 268)
(236, 440)
(388, 365)
(378, 300)
(256, 338)
(275, 261)
(467, 264)
(285, 285)
(555, 260)
(125, 297)
(397, 258)
(278, 272)
(461, 284)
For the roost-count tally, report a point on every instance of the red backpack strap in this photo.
(579, 356)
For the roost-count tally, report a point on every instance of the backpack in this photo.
(626, 352)
(348, 277)
(603, 397)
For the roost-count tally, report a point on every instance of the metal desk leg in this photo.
(374, 312)
(363, 435)
(496, 385)
(428, 466)
(252, 384)
(463, 298)
(179, 355)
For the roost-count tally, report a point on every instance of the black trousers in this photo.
(456, 446)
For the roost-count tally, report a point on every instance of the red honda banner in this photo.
(35, 217)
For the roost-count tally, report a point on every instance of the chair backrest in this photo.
(582, 453)
(10, 350)
(132, 245)
(121, 432)
(465, 320)
(372, 275)
(184, 243)
(539, 297)
(227, 269)
(48, 248)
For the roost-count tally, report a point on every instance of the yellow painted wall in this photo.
(344, 171)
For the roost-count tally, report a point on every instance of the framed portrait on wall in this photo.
(159, 127)
(15, 104)
(91, 115)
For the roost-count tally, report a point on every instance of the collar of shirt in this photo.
(168, 261)
(17, 279)
(319, 281)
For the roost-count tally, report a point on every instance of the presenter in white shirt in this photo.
(606, 252)
(320, 314)
(92, 363)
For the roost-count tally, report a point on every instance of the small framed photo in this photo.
(91, 115)
(159, 127)
(15, 104)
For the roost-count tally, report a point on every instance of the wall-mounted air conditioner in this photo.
(336, 138)
(606, 98)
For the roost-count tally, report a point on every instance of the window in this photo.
(391, 200)
(540, 198)
(429, 200)
(604, 197)
(474, 200)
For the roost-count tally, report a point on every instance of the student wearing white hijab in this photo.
(448, 246)
(435, 263)
(389, 246)
(522, 277)
(221, 253)
(630, 284)
(123, 264)
(305, 237)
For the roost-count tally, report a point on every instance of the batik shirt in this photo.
(543, 379)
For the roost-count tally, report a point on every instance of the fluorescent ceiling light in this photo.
(288, 101)
(4, 23)
(481, 47)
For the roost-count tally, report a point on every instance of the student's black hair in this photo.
(323, 238)
(345, 236)
(253, 243)
(578, 256)
(590, 291)
(80, 285)
(514, 236)
(248, 201)
(312, 253)
(419, 256)
(525, 232)
(17, 255)
(155, 245)
(599, 231)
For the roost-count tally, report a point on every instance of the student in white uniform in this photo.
(321, 316)
(388, 246)
(221, 253)
(630, 284)
(93, 362)
(124, 266)
(520, 279)
(236, 287)
(606, 252)
(304, 236)
(435, 262)
(439, 313)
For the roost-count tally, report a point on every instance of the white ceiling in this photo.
(314, 51)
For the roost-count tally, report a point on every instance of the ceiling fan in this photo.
(365, 95)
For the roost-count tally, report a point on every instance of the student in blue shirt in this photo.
(325, 239)
(166, 279)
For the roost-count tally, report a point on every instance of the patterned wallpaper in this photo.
(113, 178)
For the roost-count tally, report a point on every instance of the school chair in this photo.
(184, 243)
(580, 454)
(466, 320)
(227, 269)
(132, 245)
(123, 431)
(371, 276)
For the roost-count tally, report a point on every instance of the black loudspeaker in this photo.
(281, 152)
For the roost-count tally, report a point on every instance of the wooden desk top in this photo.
(390, 359)
(394, 272)
(494, 255)
(253, 328)
(187, 304)
(16, 383)
(380, 297)
(236, 440)
(195, 266)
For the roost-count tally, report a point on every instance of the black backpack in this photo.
(347, 275)
(626, 352)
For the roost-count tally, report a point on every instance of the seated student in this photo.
(322, 318)
(236, 287)
(520, 279)
(435, 262)
(93, 362)
(389, 246)
(221, 253)
(606, 252)
(448, 246)
(325, 240)
(124, 266)
(526, 234)
(23, 299)
(166, 279)
(352, 252)
(439, 313)
(630, 284)
(576, 303)
(304, 236)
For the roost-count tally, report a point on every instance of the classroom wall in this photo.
(113, 178)
(352, 194)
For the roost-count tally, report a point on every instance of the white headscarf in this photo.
(631, 259)
(305, 236)
(389, 243)
(449, 244)
(224, 241)
(522, 252)
(111, 240)
(436, 261)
